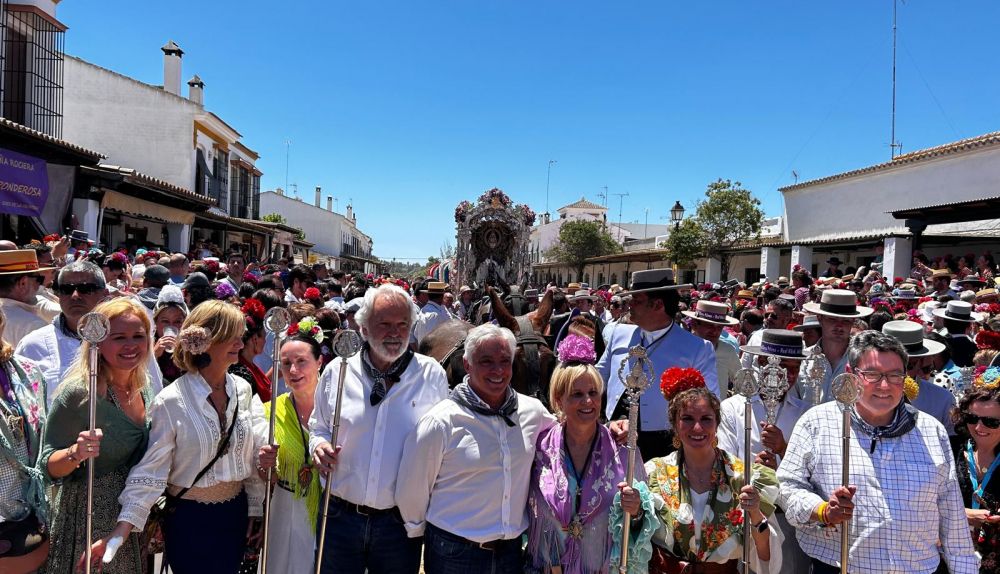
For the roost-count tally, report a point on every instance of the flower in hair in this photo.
(194, 339)
(312, 293)
(988, 379)
(576, 349)
(676, 380)
(307, 327)
(51, 237)
(988, 340)
(254, 308)
(224, 291)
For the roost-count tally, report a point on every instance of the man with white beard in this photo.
(387, 388)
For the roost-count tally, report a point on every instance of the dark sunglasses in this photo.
(988, 422)
(81, 288)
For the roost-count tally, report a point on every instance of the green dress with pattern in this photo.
(122, 446)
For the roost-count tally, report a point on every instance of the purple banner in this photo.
(24, 184)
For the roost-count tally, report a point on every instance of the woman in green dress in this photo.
(116, 446)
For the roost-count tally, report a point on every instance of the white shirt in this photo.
(21, 319)
(732, 427)
(908, 497)
(53, 352)
(290, 297)
(429, 318)
(184, 436)
(727, 364)
(468, 474)
(372, 437)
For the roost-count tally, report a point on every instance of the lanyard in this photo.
(655, 342)
(977, 489)
(578, 475)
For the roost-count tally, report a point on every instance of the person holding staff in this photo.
(202, 425)
(117, 444)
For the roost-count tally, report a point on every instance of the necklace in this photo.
(129, 395)
(575, 527)
(305, 471)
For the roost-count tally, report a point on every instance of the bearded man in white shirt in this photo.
(387, 388)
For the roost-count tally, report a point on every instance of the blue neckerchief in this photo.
(977, 489)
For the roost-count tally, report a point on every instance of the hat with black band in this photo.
(839, 303)
(911, 335)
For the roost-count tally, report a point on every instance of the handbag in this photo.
(164, 506)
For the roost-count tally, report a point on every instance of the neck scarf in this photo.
(465, 396)
(380, 378)
(903, 421)
(291, 456)
(261, 384)
(25, 392)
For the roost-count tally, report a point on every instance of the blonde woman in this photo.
(123, 394)
(202, 453)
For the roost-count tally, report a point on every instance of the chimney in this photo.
(172, 67)
(279, 191)
(329, 203)
(196, 90)
(319, 195)
(350, 212)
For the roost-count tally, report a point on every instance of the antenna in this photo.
(288, 152)
(604, 195)
(621, 201)
(295, 190)
(893, 144)
(548, 176)
(795, 176)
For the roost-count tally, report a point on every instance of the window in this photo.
(32, 67)
(751, 276)
(220, 173)
(255, 208)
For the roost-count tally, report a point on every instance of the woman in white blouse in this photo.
(213, 517)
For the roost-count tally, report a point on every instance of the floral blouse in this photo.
(722, 520)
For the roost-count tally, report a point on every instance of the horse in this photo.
(534, 361)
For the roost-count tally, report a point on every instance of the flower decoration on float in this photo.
(194, 339)
(576, 349)
(528, 214)
(307, 327)
(462, 211)
(988, 379)
(676, 380)
(224, 291)
(495, 197)
(911, 388)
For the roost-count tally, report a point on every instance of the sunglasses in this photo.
(68, 289)
(988, 422)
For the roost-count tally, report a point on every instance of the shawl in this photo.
(260, 383)
(722, 523)
(27, 395)
(292, 454)
(463, 395)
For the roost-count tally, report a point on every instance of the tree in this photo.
(730, 215)
(580, 240)
(686, 244)
(273, 218)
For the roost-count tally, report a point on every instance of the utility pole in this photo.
(893, 144)
(548, 176)
(645, 227)
(288, 152)
(621, 202)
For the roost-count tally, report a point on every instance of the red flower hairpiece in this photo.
(988, 340)
(254, 308)
(50, 237)
(312, 293)
(676, 380)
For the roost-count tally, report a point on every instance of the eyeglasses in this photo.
(68, 289)
(873, 377)
(988, 422)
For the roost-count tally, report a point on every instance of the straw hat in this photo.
(839, 303)
(711, 312)
(20, 262)
(780, 343)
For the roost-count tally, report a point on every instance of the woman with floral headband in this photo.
(296, 498)
(253, 345)
(202, 452)
(578, 479)
(123, 401)
(977, 423)
(699, 491)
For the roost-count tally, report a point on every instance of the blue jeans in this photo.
(445, 553)
(376, 543)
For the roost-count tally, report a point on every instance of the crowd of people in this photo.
(468, 475)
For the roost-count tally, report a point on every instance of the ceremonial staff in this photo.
(276, 322)
(639, 376)
(812, 375)
(346, 344)
(93, 328)
(846, 388)
(747, 386)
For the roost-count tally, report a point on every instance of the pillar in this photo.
(801, 256)
(897, 257)
(713, 270)
(770, 262)
(178, 237)
(88, 213)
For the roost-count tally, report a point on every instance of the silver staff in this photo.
(93, 328)
(346, 344)
(639, 376)
(815, 369)
(746, 385)
(846, 388)
(773, 386)
(276, 322)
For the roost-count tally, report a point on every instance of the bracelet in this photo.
(821, 512)
(71, 456)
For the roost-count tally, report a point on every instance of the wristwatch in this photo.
(760, 526)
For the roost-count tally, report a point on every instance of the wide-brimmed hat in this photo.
(905, 294)
(958, 311)
(654, 280)
(810, 322)
(781, 343)
(464, 289)
(782, 281)
(972, 279)
(834, 261)
(839, 303)
(78, 235)
(986, 293)
(936, 273)
(581, 295)
(530, 294)
(20, 262)
(435, 287)
(911, 335)
(711, 312)
(745, 294)
(572, 287)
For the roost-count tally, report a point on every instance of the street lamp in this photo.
(548, 176)
(677, 214)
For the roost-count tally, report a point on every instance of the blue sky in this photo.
(408, 107)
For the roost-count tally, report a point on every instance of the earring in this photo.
(677, 442)
(715, 442)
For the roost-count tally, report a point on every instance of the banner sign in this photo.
(24, 184)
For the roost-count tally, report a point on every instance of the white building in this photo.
(336, 236)
(160, 134)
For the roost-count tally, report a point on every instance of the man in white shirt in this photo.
(777, 315)
(387, 389)
(299, 279)
(837, 310)
(709, 318)
(465, 470)
(433, 313)
(20, 279)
